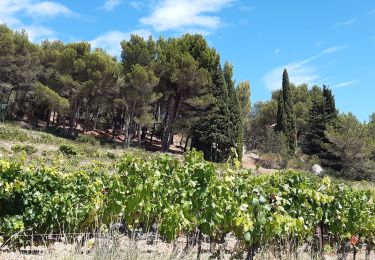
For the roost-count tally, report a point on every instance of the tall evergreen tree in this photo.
(235, 117)
(286, 121)
(321, 114)
(243, 94)
(210, 134)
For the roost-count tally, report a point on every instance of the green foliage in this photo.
(321, 113)
(271, 161)
(68, 150)
(87, 139)
(50, 98)
(181, 195)
(285, 113)
(243, 94)
(235, 113)
(351, 142)
(28, 149)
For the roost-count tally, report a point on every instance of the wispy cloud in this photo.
(303, 71)
(110, 41)
(137, 4)
(10, 11)
(371, 12)
(185, 15)
(276, 51)
(299, 72)
(109, 5)
(346, 83)
(345, 23)
(333, 49)
(246, 8)
(48, 9)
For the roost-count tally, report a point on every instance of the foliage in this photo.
(285, 113)
(243, 94)
(321, 113)
(350, 142)
(68, 150)
(271, 161)
(29, 149)
(181, 195)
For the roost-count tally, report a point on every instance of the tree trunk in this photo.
(186, 143)
(168, 123)
(48, 117)
(53, 116)
(86, 119)
(96, 118)
(174, 104)
(127, 132)
(72, 118)
(139, 136)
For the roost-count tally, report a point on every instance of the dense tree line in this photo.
(160, 87)
(300, 121)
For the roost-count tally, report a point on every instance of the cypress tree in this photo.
(236, 129)
(322, 113)
(210, 133)
(280, 124)
(286, 121)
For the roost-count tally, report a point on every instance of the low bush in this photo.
(87, 139)
(29, 149)
(68, 150)
(271, 161)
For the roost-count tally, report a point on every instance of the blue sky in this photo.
(319, 42)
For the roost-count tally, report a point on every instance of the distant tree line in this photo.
(300, 121)
(161, 87)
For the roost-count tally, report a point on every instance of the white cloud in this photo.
(345, 23)
(48, 8)
(185, 14)
(109, 5)
(110, 41)
(299, 72)
(333, 49)
(34, 9)
(10, 10)
(36, 33)
(346, 83)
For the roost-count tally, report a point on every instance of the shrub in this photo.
(111, 155)
(271, 161)
(297, 163)
(68, 150)
(29, 149)
(87, 139)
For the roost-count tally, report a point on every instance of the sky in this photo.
(319, 42)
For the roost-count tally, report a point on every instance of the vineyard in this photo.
(187, 197)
